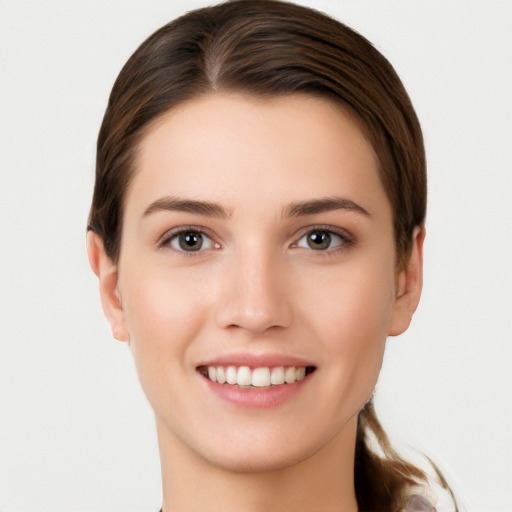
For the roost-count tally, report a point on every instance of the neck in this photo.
(323, 481)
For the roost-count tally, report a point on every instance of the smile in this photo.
(260, 377)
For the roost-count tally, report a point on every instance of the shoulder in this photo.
(431, 497)
(418, 503)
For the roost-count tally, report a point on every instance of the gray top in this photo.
(418, 503)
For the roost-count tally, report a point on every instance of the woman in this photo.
(257, 230)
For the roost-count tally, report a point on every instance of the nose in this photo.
(255, 295)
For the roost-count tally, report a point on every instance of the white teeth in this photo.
(243, 376)
(277, 376)
(290, 375)
(261, 377)
(221, 376)
(231, 374)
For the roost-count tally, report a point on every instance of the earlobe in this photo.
(409, 284)
(106, 271)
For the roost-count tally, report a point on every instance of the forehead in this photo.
(244, 151)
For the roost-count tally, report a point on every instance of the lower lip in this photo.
(256, 398)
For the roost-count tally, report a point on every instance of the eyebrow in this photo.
(170, 203)
(211, 209)
(321, 205)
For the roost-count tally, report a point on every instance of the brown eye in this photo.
(318, 240)
(190, 241)
(321, 240)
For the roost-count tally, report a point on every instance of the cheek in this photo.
(160, 301)
(355, 303)
(352, 319)
(163, 312)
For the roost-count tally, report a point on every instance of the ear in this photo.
(409, 283)
(107, 273)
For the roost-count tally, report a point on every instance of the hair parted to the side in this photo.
(270, 48)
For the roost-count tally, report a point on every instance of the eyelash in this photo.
(165, 241)
(345, 241)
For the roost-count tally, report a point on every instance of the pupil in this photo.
(319, 240)
(190, 241)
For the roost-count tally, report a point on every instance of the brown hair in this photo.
(270, 48)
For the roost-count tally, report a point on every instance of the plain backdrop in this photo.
(75, 431)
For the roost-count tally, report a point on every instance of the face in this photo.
(256, 280)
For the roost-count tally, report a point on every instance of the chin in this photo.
(260, 462)
(276, 450)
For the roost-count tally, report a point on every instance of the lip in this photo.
(256, 360)
(256, 398)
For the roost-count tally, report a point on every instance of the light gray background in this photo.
(75, 431)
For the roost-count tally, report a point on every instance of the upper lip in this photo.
(256, 360)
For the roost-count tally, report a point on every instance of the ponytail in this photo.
(382, 480)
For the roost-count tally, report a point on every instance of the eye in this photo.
(190, 240)
(321, 240)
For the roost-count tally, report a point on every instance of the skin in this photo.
(257, 287)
